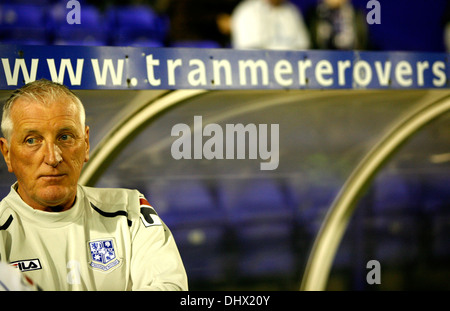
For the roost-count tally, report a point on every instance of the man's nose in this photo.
(53, 155)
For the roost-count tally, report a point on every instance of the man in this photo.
(268, 24)
(337, 25)
(65, 236)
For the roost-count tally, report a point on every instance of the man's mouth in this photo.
(51, 177)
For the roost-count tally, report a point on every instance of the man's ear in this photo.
(86, 141)
(5, 151)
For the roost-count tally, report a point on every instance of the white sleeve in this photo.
(12, 279)
(155, 261)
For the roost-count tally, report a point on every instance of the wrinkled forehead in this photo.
(28, 105)
(63, 102)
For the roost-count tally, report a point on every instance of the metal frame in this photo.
(339, 215)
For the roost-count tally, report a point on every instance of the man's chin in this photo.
(57, 198)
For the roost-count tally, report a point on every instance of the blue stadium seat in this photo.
(198, 225)
(32, 2)
(393, 239)
(263, 225)
(265, 249)
(250, 200)
(436, 200)
(133, 16)
(135, 25)
(204, 252)
(21, 15)
(90, 31)
(436, 191)
(143, 42)
(395, 193)
(188, 203)
(315, 201)
(75, 35)
(23, 24)
(440, 224)
(4, 191)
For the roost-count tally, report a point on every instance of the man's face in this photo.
(46, 152)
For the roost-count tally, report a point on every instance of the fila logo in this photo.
(27, 265)
(149, 216)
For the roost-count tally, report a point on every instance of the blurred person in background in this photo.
(337, 25)
(446, 26)
(268, 24)
(198, 20)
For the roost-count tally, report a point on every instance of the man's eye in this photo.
(31, 141)
(65, 137)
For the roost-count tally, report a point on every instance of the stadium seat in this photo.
(188, 203)
(440, 225)
(250, 200)
(143, 42)
(436, 201)
(394, 239)
(32, 2)
(23, 24)
(436, 191)
(198, 224)
(90, 31)
(395, 193)
(4, 190)
(263, 225)
(265, 250)
(135, 25)
(315, 201)
(204, 252)
(70, 36)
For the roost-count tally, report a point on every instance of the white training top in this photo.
(256, 24)
(111, 239)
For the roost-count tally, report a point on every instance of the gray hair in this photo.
(41, 91)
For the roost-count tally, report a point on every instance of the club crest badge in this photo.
(103, 254)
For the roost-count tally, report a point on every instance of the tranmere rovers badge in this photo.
(103, 254)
